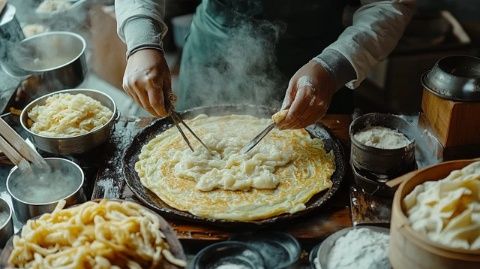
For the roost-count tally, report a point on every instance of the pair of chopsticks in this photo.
(276, 118)
(16, 149)
(177, 120)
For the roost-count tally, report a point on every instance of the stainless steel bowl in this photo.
(455, 78)
(279, 250)
(6, 222)
(25, 210)
(56, 59)
(228, 254)
(74, 144)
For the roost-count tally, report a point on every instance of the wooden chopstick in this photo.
(10, 152)
(16, 142)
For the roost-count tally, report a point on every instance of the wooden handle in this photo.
(394, 183)
(450, 165)
(10, 152)
(3, 3)
(18, 144)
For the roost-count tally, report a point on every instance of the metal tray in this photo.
(151, 200)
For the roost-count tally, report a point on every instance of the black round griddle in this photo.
(151, 200)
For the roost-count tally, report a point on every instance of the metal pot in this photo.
(27, 210)
(6, 226)
(388, 162)
(454, 78)
(10, 29)
(56, 60)
(75, 144)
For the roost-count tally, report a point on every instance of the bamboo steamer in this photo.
(410, 249)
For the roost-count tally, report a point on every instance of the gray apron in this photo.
(246, 51)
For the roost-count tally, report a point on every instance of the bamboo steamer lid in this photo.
(410, 249)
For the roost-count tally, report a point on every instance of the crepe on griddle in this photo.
(291, 167)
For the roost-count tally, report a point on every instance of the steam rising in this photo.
(34, 184)
(242, 69)
(73, 20)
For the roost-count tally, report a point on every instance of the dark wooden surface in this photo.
(334, 216)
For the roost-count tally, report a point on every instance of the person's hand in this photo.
(308, 96)
(147, 80)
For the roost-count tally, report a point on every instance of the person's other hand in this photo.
(147, 80)
(308, 96)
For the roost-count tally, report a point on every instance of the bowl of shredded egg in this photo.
(436, 218)
(71, 121)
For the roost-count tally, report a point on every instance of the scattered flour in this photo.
(358, 249)
(382, 138)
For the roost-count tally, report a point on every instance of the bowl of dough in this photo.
(436, 218)
(71, 121)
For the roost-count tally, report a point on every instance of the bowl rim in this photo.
(418, 236)
(24, 114)
(271, 234)
(375, 149)
(226, 243)
(10, 213)
(443, 59)
(332, 238)
(58, 33)
(455, 94)
(46, 203)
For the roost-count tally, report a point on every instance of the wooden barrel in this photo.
(410, 249)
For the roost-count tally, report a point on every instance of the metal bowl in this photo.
(319, 255)
(56, 59)
(6, 222)
(25, 210)
(228, 254)
(74, 144)
(388, 162)
(455, 78)
(279, 250)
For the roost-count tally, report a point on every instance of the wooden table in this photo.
(333, 216)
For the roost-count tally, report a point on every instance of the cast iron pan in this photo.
(131, 153)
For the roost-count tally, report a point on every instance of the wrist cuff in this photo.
(142, 33)
(335, 63)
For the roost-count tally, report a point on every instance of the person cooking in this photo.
(248, 46)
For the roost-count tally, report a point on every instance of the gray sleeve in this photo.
(140, 23)
(377, 27)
